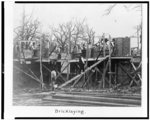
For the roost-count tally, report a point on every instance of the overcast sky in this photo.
(119, 23)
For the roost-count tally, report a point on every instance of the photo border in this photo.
(69, 2)
(2, 59)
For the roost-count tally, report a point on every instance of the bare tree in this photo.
(136, 7)
(69, 34)
(109, 9)
(89, 34)
(28, 30)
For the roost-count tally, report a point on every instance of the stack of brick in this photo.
(122, 46)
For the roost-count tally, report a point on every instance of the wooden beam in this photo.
(62, 70)
(52, 51)
(135, 69)
(128, 73)
(28, 75)
(69, 81)
(98, 56)
(64, 61)
(33, 74)
(61, 76)
(88, 79)
(96, 68)
(46, 68)
(85, 79)
(76, 81)
(89, 68)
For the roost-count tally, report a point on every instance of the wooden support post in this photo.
(41, 77)
(96, 75)
(104, 47)
(115, 73)
(69, 53)
(104, 54)
(105, 79)
(22, 36)
(110, 61)
(84, 77)
(104, 74)
(68, 71)
(68, 68)
(98, 71)
(88, 77)
(138, 36)
(49, 73)
(87, 56)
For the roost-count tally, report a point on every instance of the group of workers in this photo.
(21, 47)
(90, 50)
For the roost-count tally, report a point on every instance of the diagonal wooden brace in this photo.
(128, 74)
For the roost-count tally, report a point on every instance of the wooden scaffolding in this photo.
(109, 70)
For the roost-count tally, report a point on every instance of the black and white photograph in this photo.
(70, 57)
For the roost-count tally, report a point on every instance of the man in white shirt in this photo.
(53, 79)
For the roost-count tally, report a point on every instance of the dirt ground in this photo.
(28, 96)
